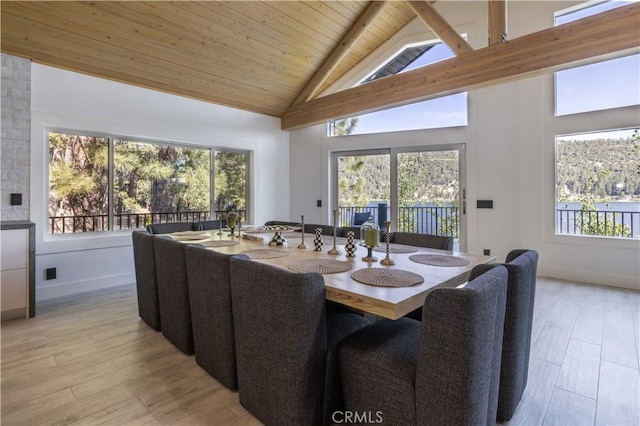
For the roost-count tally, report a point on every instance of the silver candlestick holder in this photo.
(334, 251)
(220, 224)
(387, 238)
(302, 245)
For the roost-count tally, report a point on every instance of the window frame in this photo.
(570, 10)
(555, 180)
(363, 80)
(623, 117)
(111, 138)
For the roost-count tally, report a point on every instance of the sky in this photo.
(597, 86)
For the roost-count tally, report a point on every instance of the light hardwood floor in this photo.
(89, 360)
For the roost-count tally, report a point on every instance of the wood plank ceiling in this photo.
(254, 55)
(275, 57)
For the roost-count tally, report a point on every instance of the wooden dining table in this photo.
(341, 287)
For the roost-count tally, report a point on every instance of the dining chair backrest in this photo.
(207, 225)
(458, 371)
(342, 231)
(167, 228)
(211, 313)
(422, 240)
(327, 230)
(146, 283)
(173, 292)
(443, 370)
(522, 267)
(281, 342)
(360, 217)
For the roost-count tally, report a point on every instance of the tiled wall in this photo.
(16, 129)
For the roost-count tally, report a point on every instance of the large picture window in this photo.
(598, 184)
(107, 183)
(78, 183)
(446, 111)
(159, 182)
(608, 84)
(419, 189)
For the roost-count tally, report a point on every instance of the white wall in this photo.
(73, 101)
(510, 157)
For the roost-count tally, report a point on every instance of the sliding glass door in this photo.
(420, 190)
(363, 186)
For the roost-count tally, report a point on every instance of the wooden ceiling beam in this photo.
(340, 51)
(614, 31)
(497, 21)
(440, 27)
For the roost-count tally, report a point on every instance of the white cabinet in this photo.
(15, 285)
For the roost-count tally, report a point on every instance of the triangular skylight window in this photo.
(447, 111)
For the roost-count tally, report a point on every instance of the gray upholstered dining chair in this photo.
(206, 225)
(286, 344)
(360, 217)
(422, 240)
(167, 228)
(211, 315)
(522, 268)
(441, 371)
(327, 230)
(342, 231)
(146, 284)
(173, 292)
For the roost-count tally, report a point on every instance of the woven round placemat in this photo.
(188, 233)
(324, 266)
(294, 234)
(219, 243)
(265, 253)
(395, 248)
(253, 231)
(384, 277)
(439, 260)
(190, 237)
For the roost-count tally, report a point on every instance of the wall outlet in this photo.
(319, 203)
(484, 204)
(486, 252)
(51, 273)
(16, 199)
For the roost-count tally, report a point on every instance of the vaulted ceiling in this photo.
(276, 57)
(254, 55)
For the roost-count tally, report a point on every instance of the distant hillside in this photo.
(607, 168)
(426, 177)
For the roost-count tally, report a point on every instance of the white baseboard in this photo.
(591, 277)
(66, 289)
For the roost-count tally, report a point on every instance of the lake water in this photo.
(627, 214)
(623, 213)
(617, 206)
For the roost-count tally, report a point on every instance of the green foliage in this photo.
(407, 221)
(593, 222)
(450, 225)
(427, 177)
(230, 181)
(148, 178)
(344, 127)
(77, 175)
(599, 171)
(423, 178)
(363, 179)
(598, 223)
(151, 178)
(596, 168)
